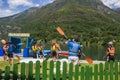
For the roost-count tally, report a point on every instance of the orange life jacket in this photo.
(111, 51)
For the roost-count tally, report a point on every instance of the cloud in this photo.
(112, 3)
(15, 3)
(11, 7)
(6, 12)
(37, 5)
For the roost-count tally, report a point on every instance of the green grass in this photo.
(6, 63)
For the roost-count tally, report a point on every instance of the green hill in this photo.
(90, 20)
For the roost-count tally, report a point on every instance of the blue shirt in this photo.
(74, 48)
(10, 49)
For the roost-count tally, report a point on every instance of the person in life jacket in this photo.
(5, 48)
(40, 49)
(35, 49)
(110, 52)
(54, 49)
(10, 52)
(75, 51)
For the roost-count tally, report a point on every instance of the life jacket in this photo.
(111, 51)
(34, 48)
(5, 47)
(55, 47)
(40, 48)
(75, 47)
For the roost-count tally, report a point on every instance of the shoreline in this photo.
(27, 59)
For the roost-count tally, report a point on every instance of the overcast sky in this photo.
(10, 7)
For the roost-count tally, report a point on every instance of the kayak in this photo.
(63, 52)
(59, 52)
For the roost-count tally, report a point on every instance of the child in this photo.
(35, 49)
(10, 52)
(5, 48)
(54, 50)
(40, 48)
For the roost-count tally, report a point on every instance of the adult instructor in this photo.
(75, 51)
(110, 52)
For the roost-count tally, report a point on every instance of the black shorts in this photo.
(41, 53)
(110, 58)
(79, 56)
(54, 53)
(10, 55)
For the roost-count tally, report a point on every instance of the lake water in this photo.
(97, 52)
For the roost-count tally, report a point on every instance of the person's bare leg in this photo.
(78, 61)
(12, 59)
(5, 57)
(9, 60)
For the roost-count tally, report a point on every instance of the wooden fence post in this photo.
(116, 70)
(111, 70)
(64, 73)
(37, 71)
(106, 70)
(95, 72)
(70, 74)
(30, 71)
(7, 72)
(88, 73)
(23, 65)
(101, 71)
(51, 73)
(82, 73)
(0, 74)
(15, 72)
(58, 70)
(44, 72)
(76, 73)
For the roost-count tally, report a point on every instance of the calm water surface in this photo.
(97, 52)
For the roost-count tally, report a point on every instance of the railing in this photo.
(61, 71)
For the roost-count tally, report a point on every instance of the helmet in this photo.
(76, 39)
(110, 43)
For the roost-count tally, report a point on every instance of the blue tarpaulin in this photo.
(18, 44)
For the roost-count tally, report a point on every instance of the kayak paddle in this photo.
(88, 59)
(61, 32)
(18, 57)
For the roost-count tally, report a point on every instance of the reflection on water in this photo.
(96, 52)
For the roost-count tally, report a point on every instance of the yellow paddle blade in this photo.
(60, 31)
